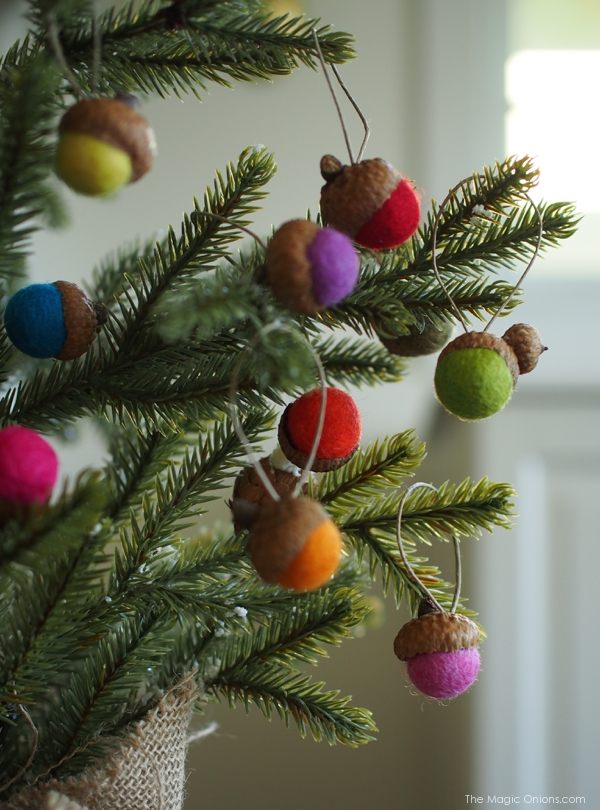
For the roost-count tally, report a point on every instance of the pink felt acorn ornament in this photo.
(369, 200)
(292, 540)
(28, 470)
(440, 648)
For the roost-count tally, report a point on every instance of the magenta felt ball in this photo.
(334, 266)
(444, 675)
(28, 466)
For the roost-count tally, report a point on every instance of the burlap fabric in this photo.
(146, 773)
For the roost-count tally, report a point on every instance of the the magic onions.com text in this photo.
(526, 799)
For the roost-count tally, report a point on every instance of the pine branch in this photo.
(27, 88)
(130, 374)
(384, 463)
(464, 510)
(145, 48)
(356, 362)
(259, 670)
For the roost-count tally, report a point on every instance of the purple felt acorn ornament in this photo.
(309, 267)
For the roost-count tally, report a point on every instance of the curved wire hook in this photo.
(237, 425)
(407, 565)
(448, 197)
(528, 268)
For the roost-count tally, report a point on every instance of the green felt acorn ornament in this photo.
(477, 372)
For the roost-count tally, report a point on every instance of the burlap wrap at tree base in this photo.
(146, 773)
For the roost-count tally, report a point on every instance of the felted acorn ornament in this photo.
(295, 544)
(477, 372)
(419, 342)
(310, 268)
(369, 201)
(28, 470)
(103, 145)
(53, 320)
(341, 430)
(440, 650)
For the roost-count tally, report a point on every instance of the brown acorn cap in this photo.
(280, 532)
(249, 487)
(436, 632)
(355, 193)
(299, 458)
(483, 340)
(113, 121)
(416, 343)
(526, 343)
(82, 317)
(289, 268)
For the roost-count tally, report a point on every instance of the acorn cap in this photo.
(300, 458)
(289, 267)
(355, 193)
(83, 320)
(280, 532)
(483, 340)
(418, 343)
(526, 343)
(249, 486)
(116, 123)
(436, 632)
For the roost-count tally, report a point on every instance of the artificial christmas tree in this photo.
(115, 624)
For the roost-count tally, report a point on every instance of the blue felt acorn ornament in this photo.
(53, 320)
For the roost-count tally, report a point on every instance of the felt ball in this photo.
(103, 144)
(341, 433)
(369, 201)
(294, 543)
(309, 267)
(28, 466)
(473, 383)
(419, 342)
(53, 320)
(444, 675)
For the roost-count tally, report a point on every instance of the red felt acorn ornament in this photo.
(477, 372)
(440, 648)
(369, 200)
(292, 541)
(340, 435)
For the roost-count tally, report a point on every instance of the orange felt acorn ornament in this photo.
(292, 541)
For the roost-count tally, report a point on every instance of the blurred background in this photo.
(447, 87)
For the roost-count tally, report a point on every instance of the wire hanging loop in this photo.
(458, 567)
(409, 569)
(333, 95)
(529, 265)
(53, 36)
(234, 406)
(451, 194)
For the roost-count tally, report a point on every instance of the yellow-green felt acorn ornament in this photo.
(103, 145)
